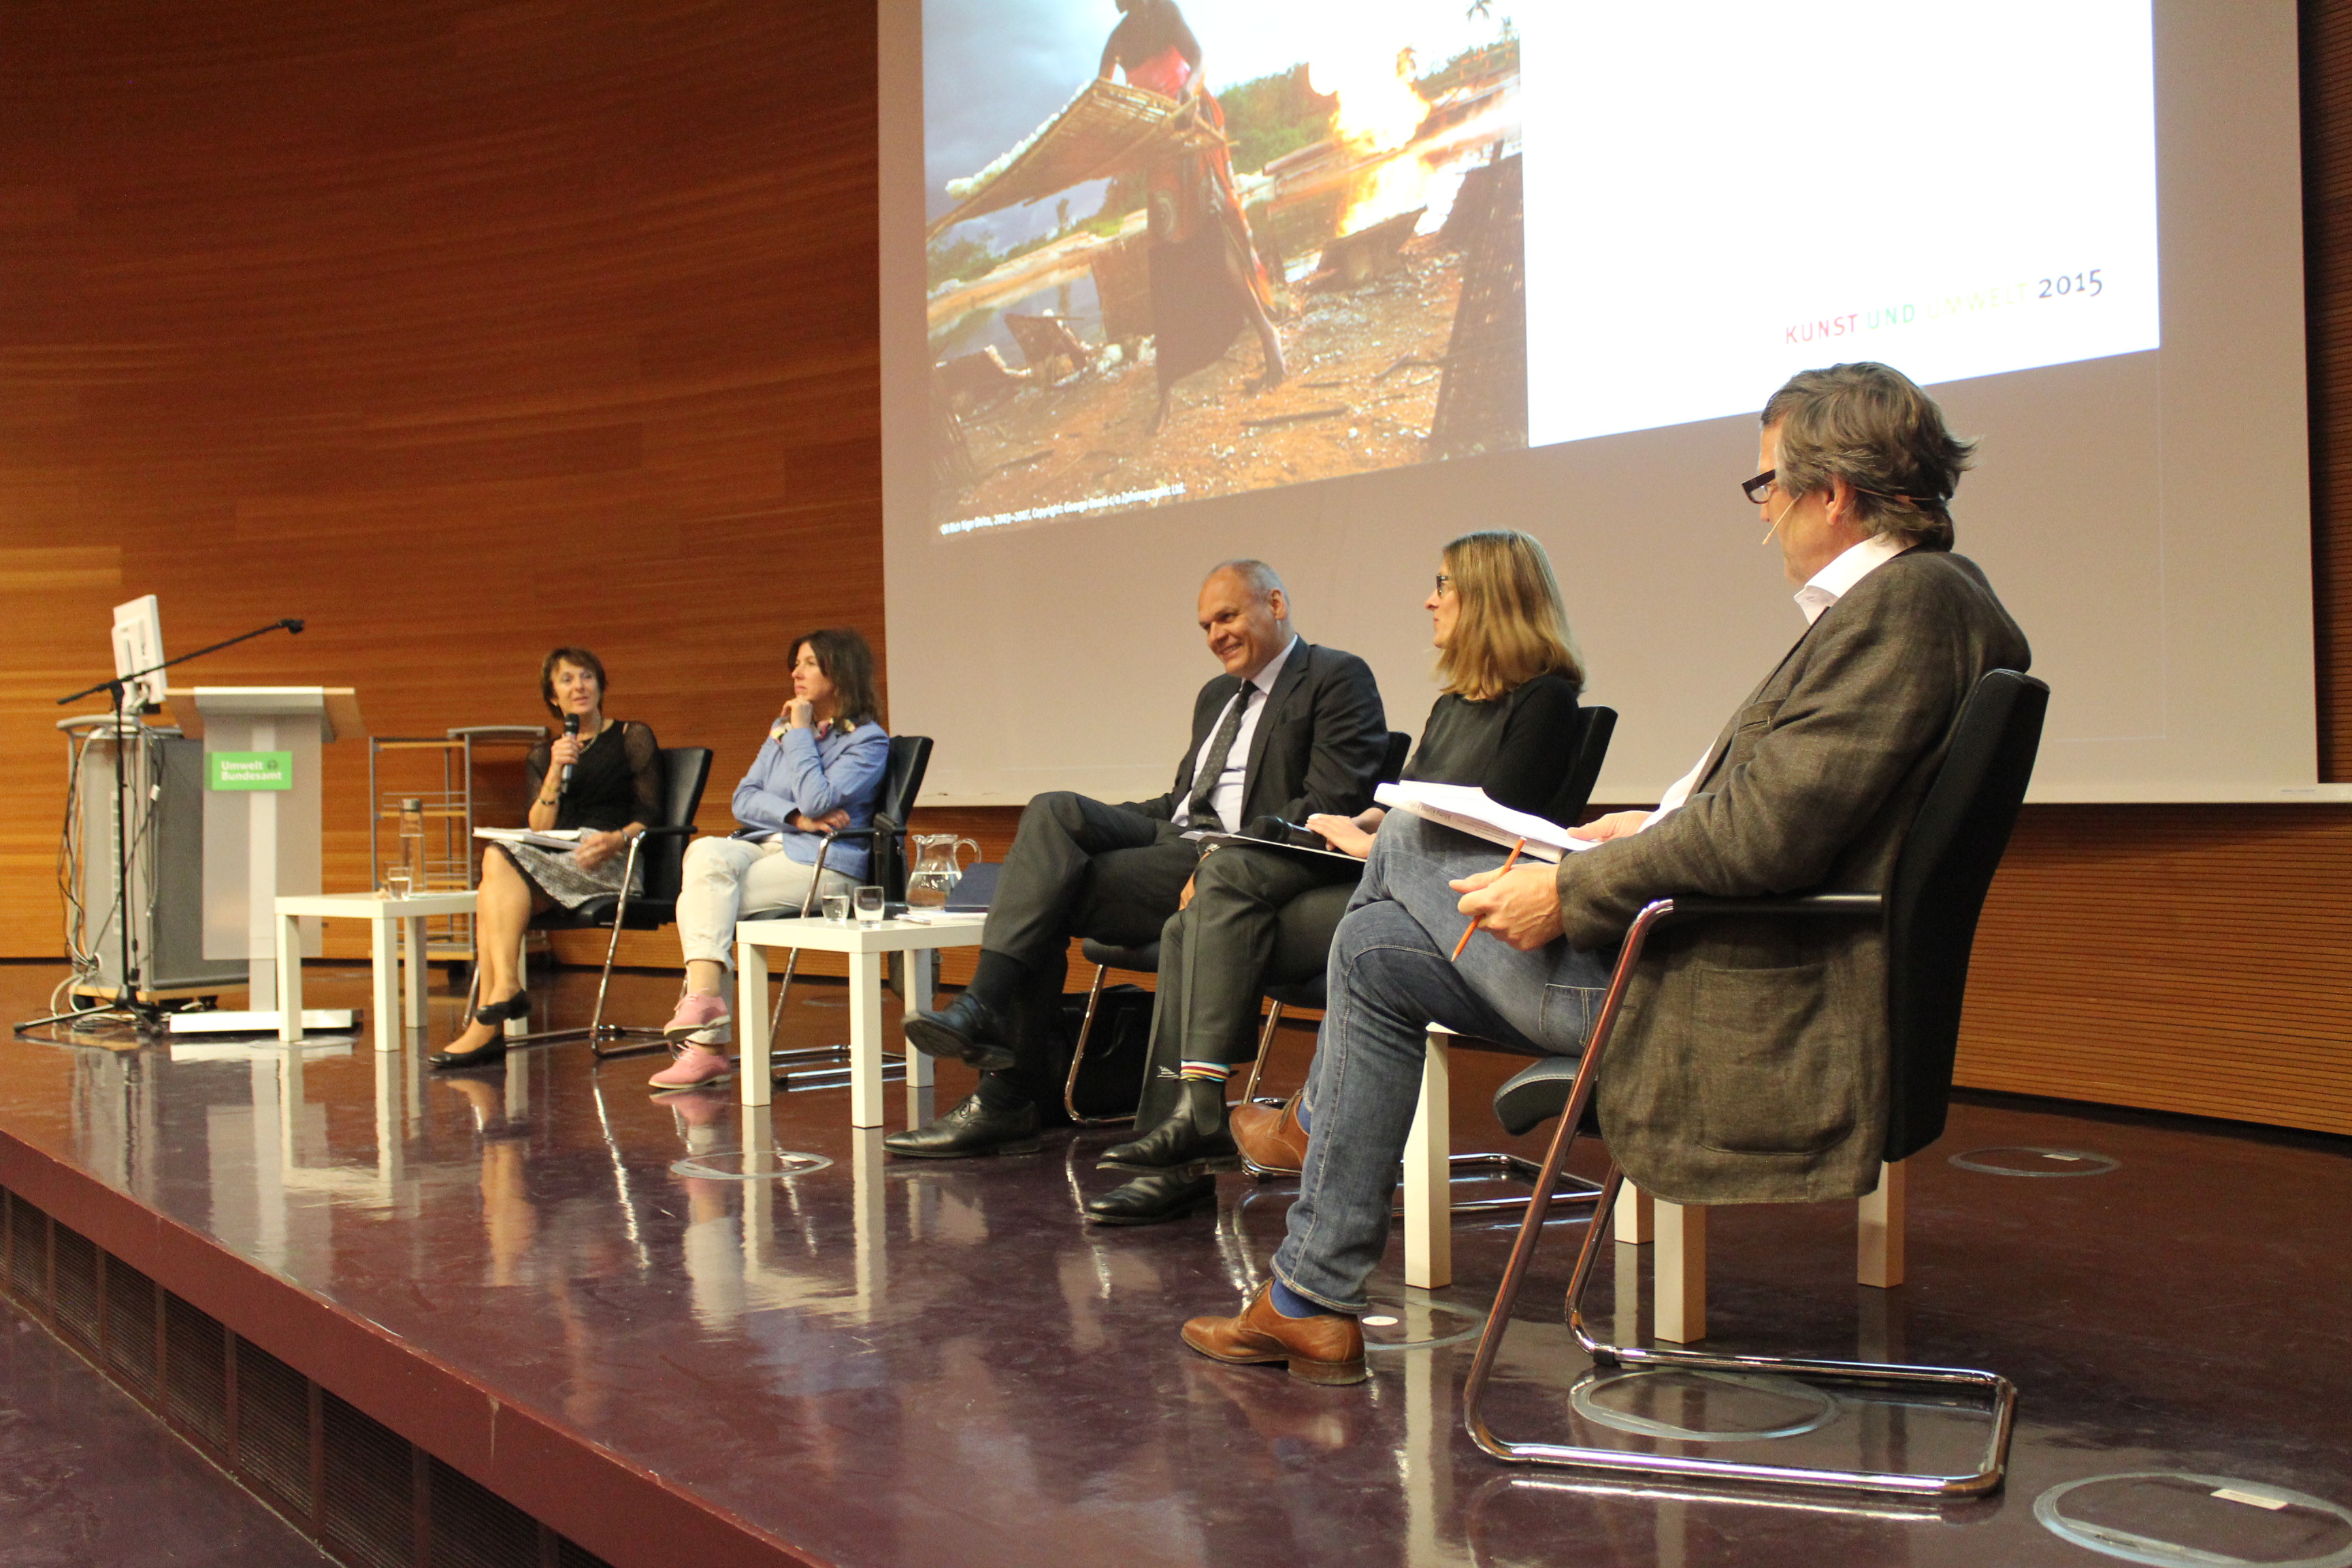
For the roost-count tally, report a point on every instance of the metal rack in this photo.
(448, 815)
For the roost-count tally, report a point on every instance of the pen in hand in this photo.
(1510, 861)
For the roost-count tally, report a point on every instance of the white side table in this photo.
(920, 941)
(383, 914)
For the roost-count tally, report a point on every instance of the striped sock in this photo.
(1206, 1072)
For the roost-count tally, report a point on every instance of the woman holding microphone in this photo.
(602, 776)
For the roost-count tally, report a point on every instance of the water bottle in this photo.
(412, 842)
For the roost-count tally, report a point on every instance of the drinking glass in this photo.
(396, 883)
(836, 909)
(867, 902)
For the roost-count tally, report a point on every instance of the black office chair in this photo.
(1144, 959)
(902, 782)
(660, 850)
(1929, 916)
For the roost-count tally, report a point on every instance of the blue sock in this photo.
(1291, 1304)
(1304, 1125)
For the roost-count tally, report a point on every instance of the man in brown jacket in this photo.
(1750, 1064)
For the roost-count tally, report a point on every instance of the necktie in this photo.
(1198, 810)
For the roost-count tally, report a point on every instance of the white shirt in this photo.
(1227, 797)
(1824, 588)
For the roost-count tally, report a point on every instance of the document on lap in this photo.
(554, 838)
(1280, 847)
(1466, 808)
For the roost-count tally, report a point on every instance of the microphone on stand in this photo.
(571, 730)
(291, 625)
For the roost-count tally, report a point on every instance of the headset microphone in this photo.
(571, 729)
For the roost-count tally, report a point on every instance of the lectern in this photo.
(262, 835)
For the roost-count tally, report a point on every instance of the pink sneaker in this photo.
(693, 1066)
(700, 1020)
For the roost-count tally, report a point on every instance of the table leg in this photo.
(415, 972)
(289, 979)
(751, 1022)
(383, 976)
(922, 988)
(866, 1040)
(1428, 1174)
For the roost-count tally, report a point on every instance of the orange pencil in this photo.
(1510, 861)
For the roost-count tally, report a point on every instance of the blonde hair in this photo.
(1509, 626)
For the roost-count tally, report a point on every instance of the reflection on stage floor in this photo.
(884, 1362)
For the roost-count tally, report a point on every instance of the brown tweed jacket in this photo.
(1749, 1065)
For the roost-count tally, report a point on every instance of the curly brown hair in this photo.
(842, 653)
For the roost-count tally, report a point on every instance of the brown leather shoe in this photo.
(1325, 1348)
(1271, 1141)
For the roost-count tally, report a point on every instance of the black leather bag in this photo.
(1111, 1081)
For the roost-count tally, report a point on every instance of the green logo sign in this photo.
(249, 770)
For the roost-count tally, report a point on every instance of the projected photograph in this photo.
(1183, 249)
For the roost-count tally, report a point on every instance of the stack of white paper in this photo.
(1467, 808)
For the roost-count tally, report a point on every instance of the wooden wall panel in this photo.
(460, 329)
(464, 329)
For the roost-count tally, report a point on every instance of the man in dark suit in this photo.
(1288, 729)
(1750, 1060)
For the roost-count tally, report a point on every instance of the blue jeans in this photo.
(1389, 981)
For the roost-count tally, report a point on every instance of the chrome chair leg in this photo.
(2001, 1393)
(792, 957)
(1265, 1045)
(1078, 1057)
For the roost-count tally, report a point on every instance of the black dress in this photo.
(616, 781)
(1516, 747)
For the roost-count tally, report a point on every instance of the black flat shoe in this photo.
(1194, 1131)
(1149, 1200)
(966, 1030)
(970, 1129)
(494, 1051)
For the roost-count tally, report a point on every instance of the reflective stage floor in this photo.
(885, 1361)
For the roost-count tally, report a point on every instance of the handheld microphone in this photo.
(571, 729)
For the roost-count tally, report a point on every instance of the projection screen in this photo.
(1536, 266)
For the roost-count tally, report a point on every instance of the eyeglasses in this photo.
(1444, 584)
(1760, 489)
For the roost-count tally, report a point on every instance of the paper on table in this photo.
(553, 839)
(1467, 809)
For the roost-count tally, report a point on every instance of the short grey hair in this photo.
(1261, 578)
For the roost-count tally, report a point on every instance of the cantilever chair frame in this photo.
(1998, 1389)
(597, 1032)
(1928, 914)
(887, 827)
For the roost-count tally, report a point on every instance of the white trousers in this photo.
(724, 877)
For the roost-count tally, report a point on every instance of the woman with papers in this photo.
(818, 773)
(1506, 721)
(598, 784)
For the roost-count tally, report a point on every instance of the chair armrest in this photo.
(1676, 911)
(681, 832)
